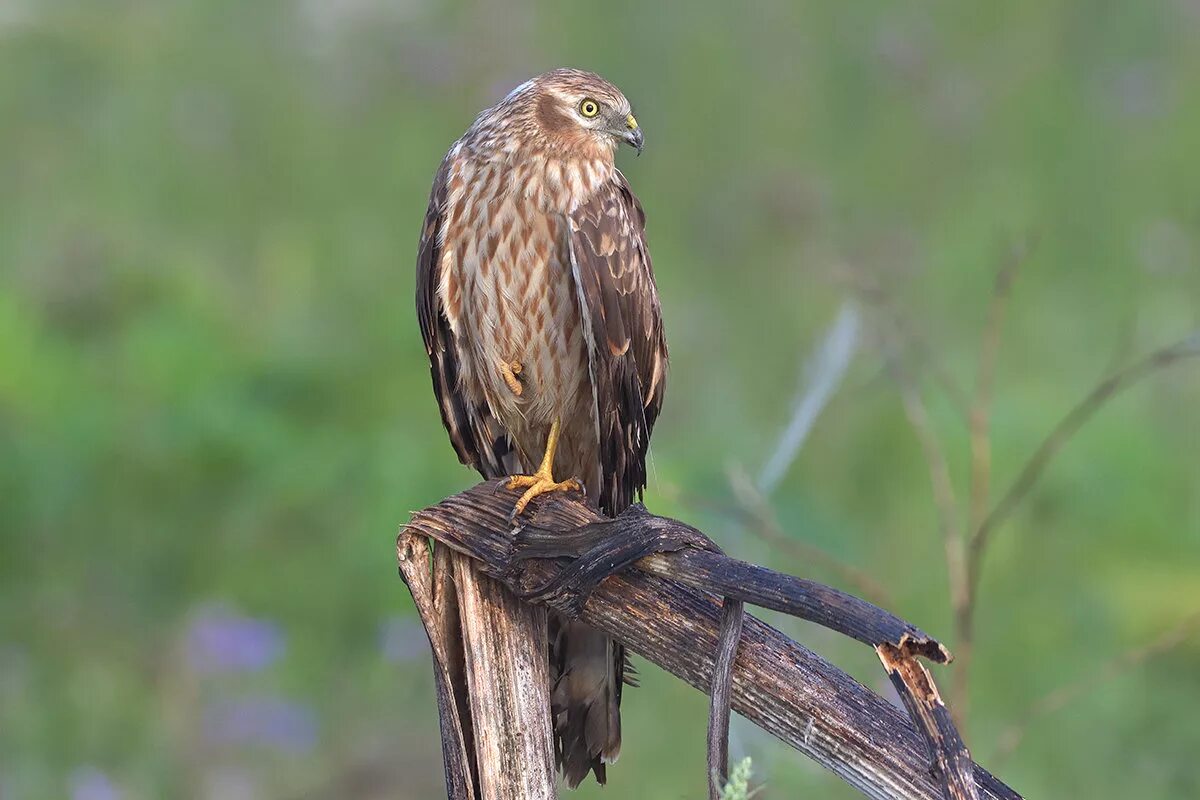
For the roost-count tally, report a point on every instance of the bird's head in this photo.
(573, 111)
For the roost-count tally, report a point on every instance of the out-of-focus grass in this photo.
(213, 394)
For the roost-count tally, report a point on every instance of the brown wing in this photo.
(627, 348)
(474, 433)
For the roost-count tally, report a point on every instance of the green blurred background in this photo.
(215, 407)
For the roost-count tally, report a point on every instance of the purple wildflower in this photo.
(220, 641)
(89, 783)
(262, 720)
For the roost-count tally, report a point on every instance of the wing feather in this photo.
(477, 437)
(627, 348)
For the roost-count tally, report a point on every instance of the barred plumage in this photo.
(537, 304)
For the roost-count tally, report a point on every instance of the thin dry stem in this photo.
(763, 522)
(981, 407)
(1062, 433)
(1188, 347)
(919, 349)
(943, 488)
(981, 458)
(948, 511)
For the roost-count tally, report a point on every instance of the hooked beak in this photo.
(633, 134)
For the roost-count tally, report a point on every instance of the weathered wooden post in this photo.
(667, 608)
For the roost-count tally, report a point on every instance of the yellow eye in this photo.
(589, 108)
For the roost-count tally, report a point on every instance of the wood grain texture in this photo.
(779, 685)
(951, 761)
(508, 677)
(437, 605)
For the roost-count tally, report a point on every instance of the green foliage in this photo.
(215, 407)
(738, 785)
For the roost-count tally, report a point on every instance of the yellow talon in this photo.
(539, 484)
(542, 481)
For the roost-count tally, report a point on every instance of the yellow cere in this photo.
(631, 121)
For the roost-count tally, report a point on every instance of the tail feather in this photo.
(585, 699)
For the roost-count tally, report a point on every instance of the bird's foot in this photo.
(509, 371)
(598, 550)
(539, 483)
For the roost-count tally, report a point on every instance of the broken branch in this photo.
(784, 688)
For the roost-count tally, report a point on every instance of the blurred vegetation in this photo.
(215, 407)
(738, 785)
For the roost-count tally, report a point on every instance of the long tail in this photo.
(588, 669)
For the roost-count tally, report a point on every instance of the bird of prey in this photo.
(541, 319)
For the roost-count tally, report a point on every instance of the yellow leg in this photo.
(542, 481)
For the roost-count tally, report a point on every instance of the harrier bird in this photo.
(540, 316)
